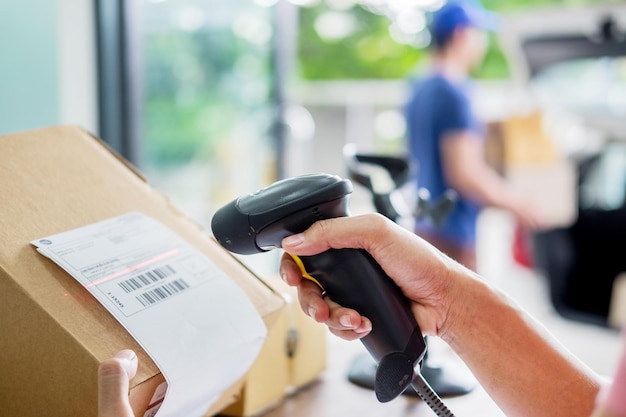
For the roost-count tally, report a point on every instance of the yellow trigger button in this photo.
(305, 274)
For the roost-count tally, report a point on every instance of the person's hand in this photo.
(488, 331)
(610, 399)
(527, 209)
(420, 270)
(529, 214)
(114, 377)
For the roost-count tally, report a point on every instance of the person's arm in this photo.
(468, 172)
(114, 377)
(612, 402)
(518, 363)
(523, 369)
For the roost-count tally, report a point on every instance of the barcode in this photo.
(162, 292)
(146, 278)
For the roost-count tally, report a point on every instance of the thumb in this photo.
(114, 377)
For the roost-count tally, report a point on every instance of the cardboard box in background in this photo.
(521, 150)
(54, 333)
(293, 357)
(617, 308)
(306, 340)
(520, 141)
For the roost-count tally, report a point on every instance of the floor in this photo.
(332, 395)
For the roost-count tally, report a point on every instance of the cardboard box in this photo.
(617, 308)
(54, 333)
(306, 340)
(520, 141)
(520, 150)
(293, 357)
(553, 188)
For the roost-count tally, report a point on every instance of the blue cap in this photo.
(457, 14)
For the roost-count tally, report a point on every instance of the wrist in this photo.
(468, 294)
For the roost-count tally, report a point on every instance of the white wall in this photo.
(78, 103)
(47, 64)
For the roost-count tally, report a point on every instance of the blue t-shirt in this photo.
(438, 106)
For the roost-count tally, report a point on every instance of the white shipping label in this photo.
(194, 322)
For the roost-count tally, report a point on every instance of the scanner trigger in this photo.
(304, 272)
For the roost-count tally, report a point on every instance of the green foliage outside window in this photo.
(196, 88)
(369, 52)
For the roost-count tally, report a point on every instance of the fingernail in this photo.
(367, 327)
(127, 354)
(345, 321)
(312, 312)
(293, 240)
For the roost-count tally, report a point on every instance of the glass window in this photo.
(600, 87)
(593, 91)
(206, 113)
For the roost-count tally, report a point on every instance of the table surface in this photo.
(332, 395)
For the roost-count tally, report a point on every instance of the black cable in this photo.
(429, 396)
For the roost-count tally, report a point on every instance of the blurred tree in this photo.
(185, 103)
(196, 88)
(368, 49)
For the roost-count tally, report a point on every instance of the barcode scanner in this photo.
(259, 221)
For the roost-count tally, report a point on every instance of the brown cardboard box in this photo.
(293, 356)
(521, 150)
(53, 332)
(520, 141)
(306, 340)
(617, 308)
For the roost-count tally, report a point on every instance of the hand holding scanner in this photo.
(259, 221)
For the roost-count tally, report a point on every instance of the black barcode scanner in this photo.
(258, 222)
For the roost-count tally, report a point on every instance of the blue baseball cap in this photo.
(456, 14)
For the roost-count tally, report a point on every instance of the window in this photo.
(206, 110)
(189, 93)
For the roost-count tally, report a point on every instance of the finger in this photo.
(289, 271)
(347, 320)
(345, 232)
(312, 302)
(348, 335)
(114, 377)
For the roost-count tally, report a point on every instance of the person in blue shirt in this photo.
(446, 139)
